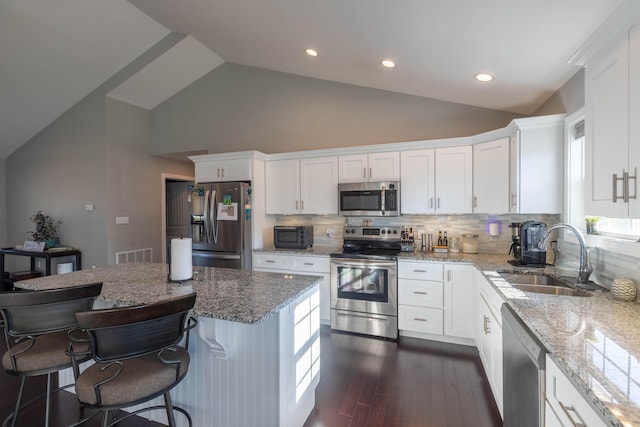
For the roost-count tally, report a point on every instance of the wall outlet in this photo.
(328, 233)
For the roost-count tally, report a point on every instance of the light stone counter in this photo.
(227, 294)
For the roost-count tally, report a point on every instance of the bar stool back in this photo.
(137, 357)
(38, 325)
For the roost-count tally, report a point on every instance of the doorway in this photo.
(175, 208)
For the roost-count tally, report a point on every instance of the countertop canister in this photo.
(470, 243)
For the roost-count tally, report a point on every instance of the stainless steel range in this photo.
(364, 282)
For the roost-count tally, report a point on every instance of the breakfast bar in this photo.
(252, 328)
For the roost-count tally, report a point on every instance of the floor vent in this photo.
(137, 255)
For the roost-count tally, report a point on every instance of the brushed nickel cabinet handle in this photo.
(223, 172)
(475, 201)
(615, 188)
(420, 293)
(370, 174)
(431, 203)
(419, 319)
(296, 205)
(364, 173)
(302, 205)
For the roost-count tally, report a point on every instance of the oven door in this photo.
(366, 286)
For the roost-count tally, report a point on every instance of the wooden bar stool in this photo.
(137, 355)
(38, 325)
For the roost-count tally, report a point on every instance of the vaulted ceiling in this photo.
(53, 53)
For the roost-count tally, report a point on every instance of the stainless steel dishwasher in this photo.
(523, 369)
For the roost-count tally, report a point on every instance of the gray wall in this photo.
(70, 164)
(134, 181)
(3, 203)
(568, 99)
(236, 107)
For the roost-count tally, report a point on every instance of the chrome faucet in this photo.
(585, 269)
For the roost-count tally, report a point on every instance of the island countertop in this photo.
(227, 294)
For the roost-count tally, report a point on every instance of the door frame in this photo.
(163, 197)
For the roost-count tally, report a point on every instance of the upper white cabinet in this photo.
(417, 181)
(224, 167)
(612, 131)
(302, 186)
(491, 176)
(536, 183)
(370, 167)
(454, 180)
(436, 180)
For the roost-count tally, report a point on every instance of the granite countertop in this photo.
(323, 251)
(227, 294)
(593, 339)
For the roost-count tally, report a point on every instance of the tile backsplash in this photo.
(455, 225)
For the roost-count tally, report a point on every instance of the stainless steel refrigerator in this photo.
(221, 225)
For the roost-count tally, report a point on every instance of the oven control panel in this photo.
(372, 233)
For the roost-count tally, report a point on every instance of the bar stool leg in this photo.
(169, 406)
(47, 410)
(18, 402)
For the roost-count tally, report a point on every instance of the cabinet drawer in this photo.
(418, 319)
(420, 293)
(269, 261)
(311, 264)
(420, 270)
(567, 402)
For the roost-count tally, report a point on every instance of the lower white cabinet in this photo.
(436, 298)
(565, 406)
(300, 264)
(489, 335)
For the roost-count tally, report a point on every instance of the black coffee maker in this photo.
(525, 237)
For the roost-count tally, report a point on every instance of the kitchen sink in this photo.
(542, 284)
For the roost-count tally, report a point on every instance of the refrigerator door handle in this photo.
(214, 214)
(207, 225)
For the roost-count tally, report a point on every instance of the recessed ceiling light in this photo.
(483, 77)
(312, 52)
(388, 63)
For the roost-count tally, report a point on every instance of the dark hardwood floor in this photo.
(413, 383)
(364, 382)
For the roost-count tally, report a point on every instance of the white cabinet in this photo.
(612, 100)
(454, 180)
(370, 167)
(491, 176)
(489, 335)
(223, 170)
(302, 186)
(436, 298)
(420, 298)
(459, 300)
(436, 180)
(536, 165)
(417, 181)
(300, 264)
(565, 406)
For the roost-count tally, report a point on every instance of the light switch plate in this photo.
(122, 220)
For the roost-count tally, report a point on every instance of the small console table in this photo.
(46, 255)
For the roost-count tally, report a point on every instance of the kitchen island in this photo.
(255, 354)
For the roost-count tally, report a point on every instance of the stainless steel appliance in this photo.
(523, 364)
(221, 225)
(293, 237)
(364, 282)
(369, 198)
(524, 243)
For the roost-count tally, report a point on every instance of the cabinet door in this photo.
(491, 176)
(235, 170)
(607, 129)
(459, 300)
(417, 181)
(283, 187)
(319, 186)
(353, 168)
(454, 179)
(384, 166)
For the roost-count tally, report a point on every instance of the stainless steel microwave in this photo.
(369, 198)
(293, 237)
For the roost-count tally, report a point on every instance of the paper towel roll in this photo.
(181, 263)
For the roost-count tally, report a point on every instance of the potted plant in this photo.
(590, 223)
(45, 229)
